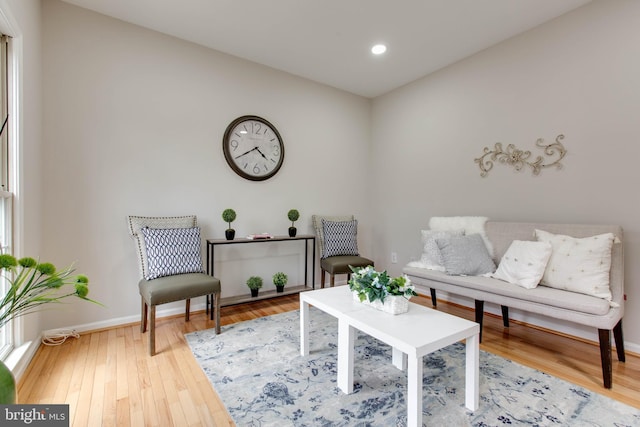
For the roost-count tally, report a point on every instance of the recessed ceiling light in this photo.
(378, 49)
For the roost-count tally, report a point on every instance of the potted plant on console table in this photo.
(254, 283)
(280, 279)
(381, 291)
(228, 216)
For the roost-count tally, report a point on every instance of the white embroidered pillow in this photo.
(579, 265)
(524, 263)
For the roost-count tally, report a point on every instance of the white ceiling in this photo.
(328, 41)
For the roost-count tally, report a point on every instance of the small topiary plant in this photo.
(280, 279)
(293, 216)
(254, 282)
(228, 216)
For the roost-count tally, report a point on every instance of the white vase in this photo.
(394, 304)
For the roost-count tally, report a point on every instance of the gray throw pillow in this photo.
(465, 255)
(172, 251)
(340, 238)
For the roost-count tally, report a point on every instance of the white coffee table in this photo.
(411, 335)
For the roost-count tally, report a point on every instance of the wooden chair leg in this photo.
(332, 280)
(210, 298)
(188, 309)
(144, 314)
(216, 303)
(605, 356)
(322, 278)
(152, 331)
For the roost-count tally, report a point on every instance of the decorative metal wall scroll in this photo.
(518, 158)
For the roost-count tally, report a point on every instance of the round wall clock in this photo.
(253, 148)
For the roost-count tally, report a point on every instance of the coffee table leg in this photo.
(398, 358)
(414, 392)
(304, 327)
(346, 338)
(472, 374)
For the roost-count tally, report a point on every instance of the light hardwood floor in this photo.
(108, 378)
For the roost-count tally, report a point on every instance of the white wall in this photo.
(577, 76)
(134, 122)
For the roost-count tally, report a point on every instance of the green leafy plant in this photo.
(280, 279)
(228, 216)
(254, 282)
(32, 284)
(372, 285)
(293, 215)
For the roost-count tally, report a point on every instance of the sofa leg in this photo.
(617, 336)
(505, 316)
(434, 302)
(479, 315)
(605, 356)
(187, 310)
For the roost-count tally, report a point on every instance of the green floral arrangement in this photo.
(32, 284)
(372, 285)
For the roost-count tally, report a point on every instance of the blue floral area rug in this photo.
(258, 372)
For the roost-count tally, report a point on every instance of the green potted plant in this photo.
(254, 283)
(390, 294)
(30, 285)
(280, 279)
(228, 216)
(293, 216)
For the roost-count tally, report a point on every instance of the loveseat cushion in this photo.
(540, 295)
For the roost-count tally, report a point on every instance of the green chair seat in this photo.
(340, 264)
(177, 288)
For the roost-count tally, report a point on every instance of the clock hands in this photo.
(247, 152)
(253, 149)
(265, 157)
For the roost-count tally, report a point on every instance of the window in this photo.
(6, 195)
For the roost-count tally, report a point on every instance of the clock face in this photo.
(253, 148)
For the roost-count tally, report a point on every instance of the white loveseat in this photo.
(580, 308)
